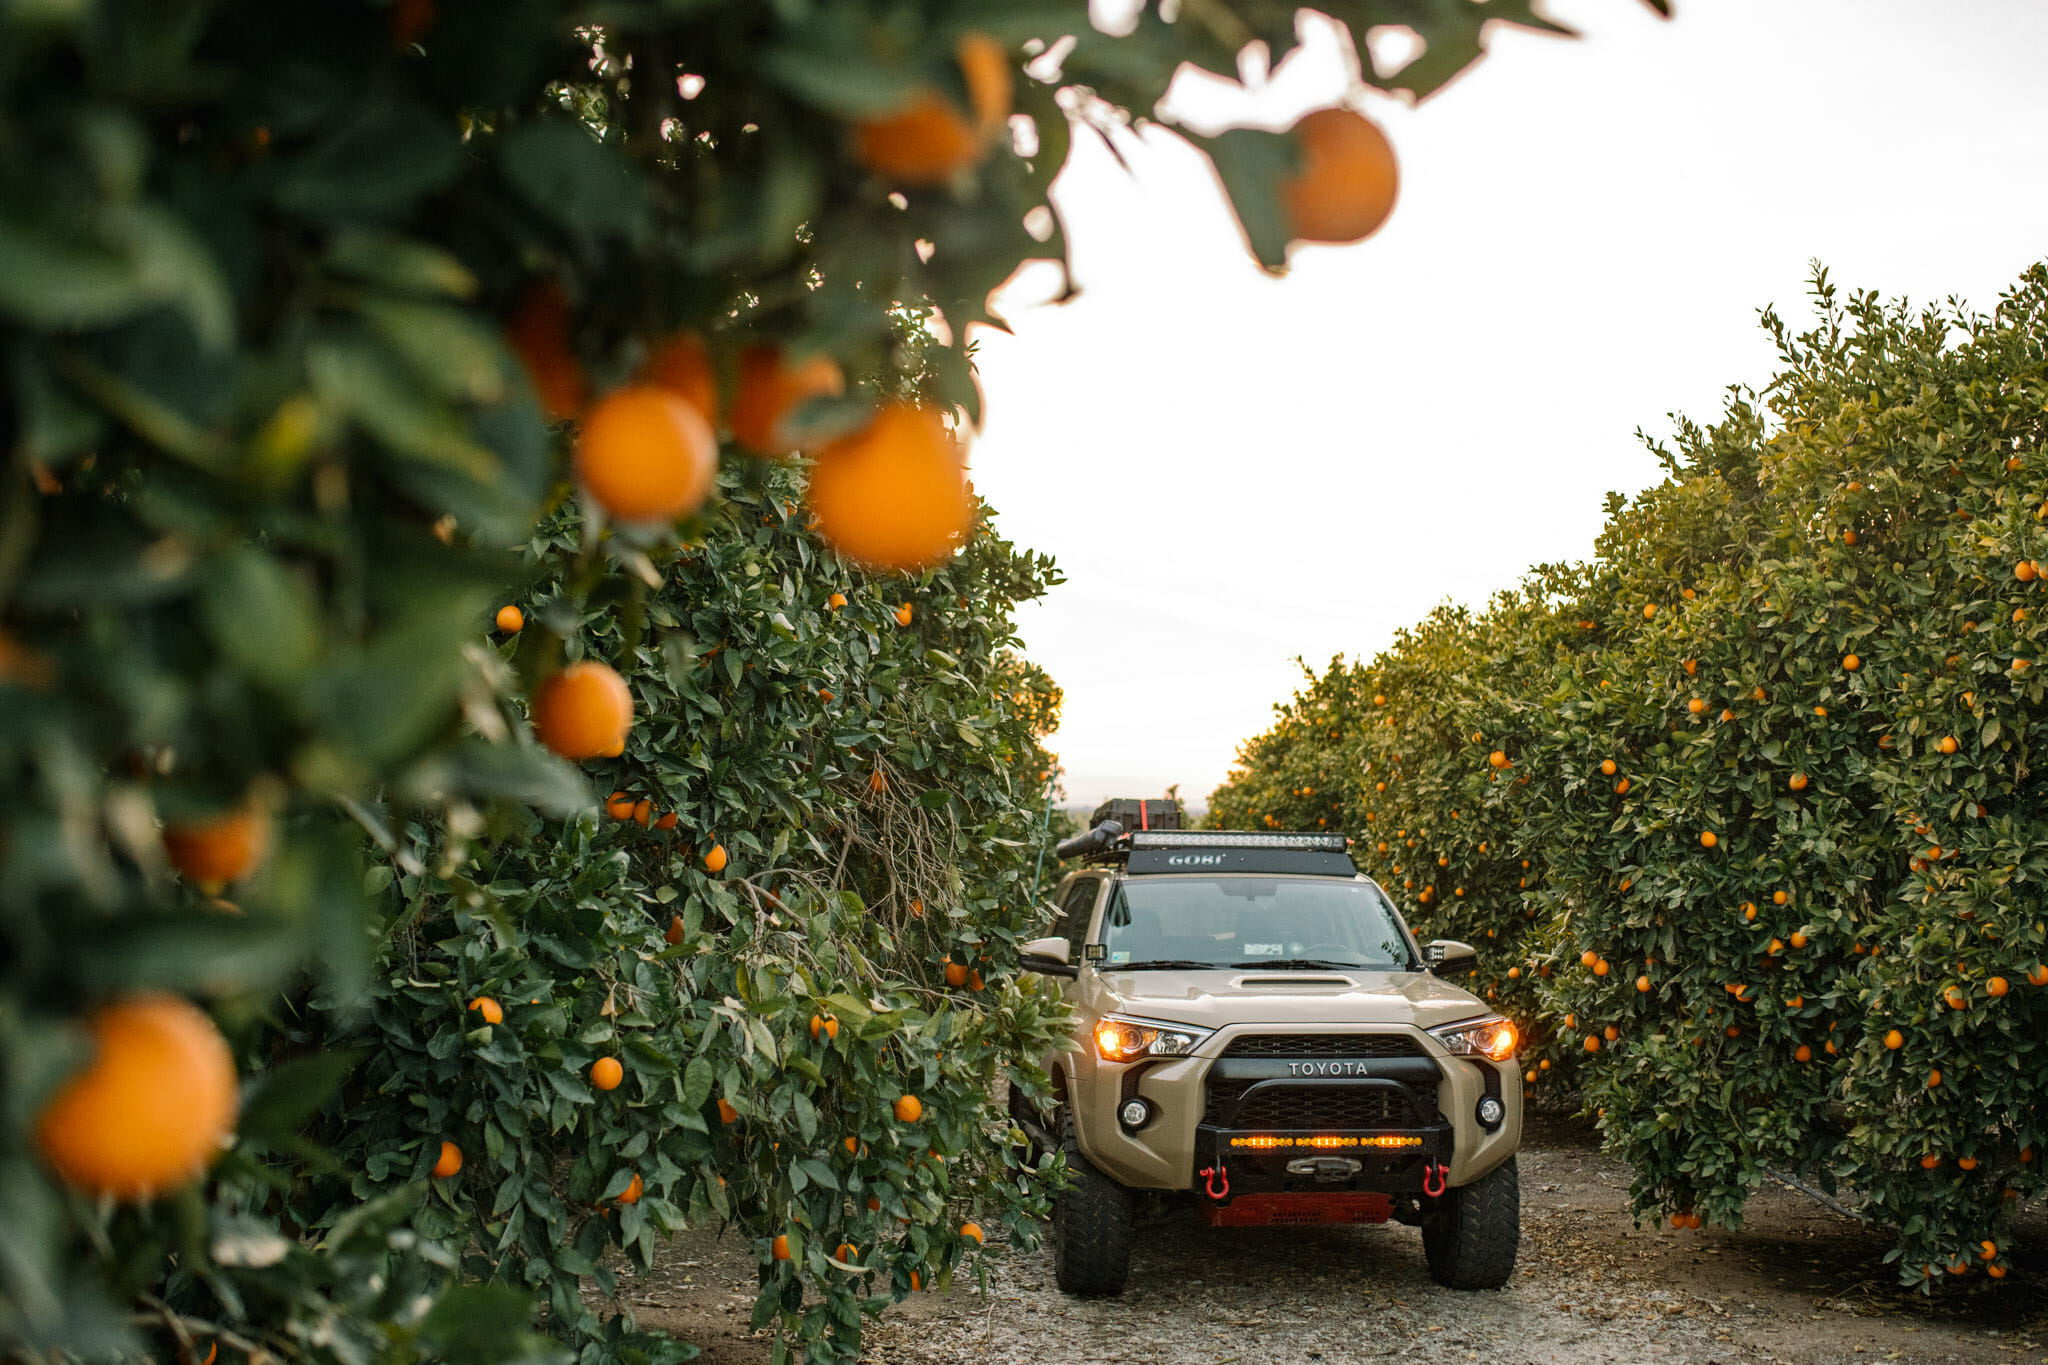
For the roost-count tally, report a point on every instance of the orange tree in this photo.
(1780, 796)
(330, 334)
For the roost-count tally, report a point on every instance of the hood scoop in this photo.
(1297, 980)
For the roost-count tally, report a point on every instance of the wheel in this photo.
(1091, 1224)
(1471, 1236)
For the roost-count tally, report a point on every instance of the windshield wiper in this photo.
(1161, 963)
(1313, 963)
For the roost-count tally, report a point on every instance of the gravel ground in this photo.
(1798, 1284)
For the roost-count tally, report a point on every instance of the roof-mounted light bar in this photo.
(1230, 838)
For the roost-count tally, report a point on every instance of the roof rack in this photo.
(1222, 850)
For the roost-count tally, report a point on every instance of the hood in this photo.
(1216, 997)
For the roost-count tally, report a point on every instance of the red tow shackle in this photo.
(1212, 1174)
(1435, 1179)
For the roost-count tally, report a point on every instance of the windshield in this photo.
(1192, 922)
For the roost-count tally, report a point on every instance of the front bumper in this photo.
(1401, 1085)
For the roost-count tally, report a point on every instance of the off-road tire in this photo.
(1091, 1224)
(1471, 1236)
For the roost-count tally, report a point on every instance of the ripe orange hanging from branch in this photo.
(771, 387)
(584, 711)
(152, 1106)
(894, 494)
(682, 365)
(929, 139)
(219, 848)
(538, 331)
(645, 455)
(1348, 178)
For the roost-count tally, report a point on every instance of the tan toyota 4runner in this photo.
(1259, 1032)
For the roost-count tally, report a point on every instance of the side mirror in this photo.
(1046, 955)
(1446, 952)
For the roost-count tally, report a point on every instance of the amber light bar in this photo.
(1262, 1142)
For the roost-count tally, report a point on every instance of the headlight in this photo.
(1493, 1038)
(1125, 1040)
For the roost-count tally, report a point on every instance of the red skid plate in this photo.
(1299, 1210)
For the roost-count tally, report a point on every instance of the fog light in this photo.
(1134, 1113)
(1491, 1112)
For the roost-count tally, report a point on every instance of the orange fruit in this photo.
(1780, 897)
(770, 389)
(1611, 1033)
(1592, 1042)
(1498, 758)
(956, 973)
(1621, 787)
(450, 1161)
(904, 614)
(583, 711)
(1601, 968)
(1347, 181)
(1649, 610)
(631, 1194)
(1934, 1078)
(150, 1108)
(1947, 745)
(1851, 662)
(1696, 705)
(909, 1108)
(675, 931)
(1727, 713)
(619, 806)
(682, 365)
(836, 601)
(845, 1251)
(1708, 839)
(974, 981)
(643, 812)
(1968, 1163)
(606, 1073)
(1607, 766)
(1799, 940)
(1802, 1053)
(1929, 1162)
(644, 454)
(726, 1113)
(1588, 958)
(780, 1246)
(893, 494)
(929, 139)
(1643, 983)
(1996, 987)
(1797, 782)
(2037, 975)
(715, 860)
(874, 1204)
(2024, 571)
(971, 1231)
(218, 848)
(510, 620)
(1894, 1040)
(667, 821)
(539, 333)
(1955, 998)
(492, 1012)
(916, 1281)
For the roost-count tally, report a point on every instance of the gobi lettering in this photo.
(1194, 860)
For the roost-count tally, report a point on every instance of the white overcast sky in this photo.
(1233, 469)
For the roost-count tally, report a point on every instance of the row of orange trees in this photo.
(1742, 814)
(469, 801)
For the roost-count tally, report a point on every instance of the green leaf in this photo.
(566, 175)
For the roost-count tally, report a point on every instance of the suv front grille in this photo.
(1322, 1106)
(1324, 1045)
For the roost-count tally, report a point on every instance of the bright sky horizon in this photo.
(1234, 469)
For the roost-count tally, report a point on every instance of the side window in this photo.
(1072, 924)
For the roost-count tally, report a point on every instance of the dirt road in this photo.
(1799, 1284)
